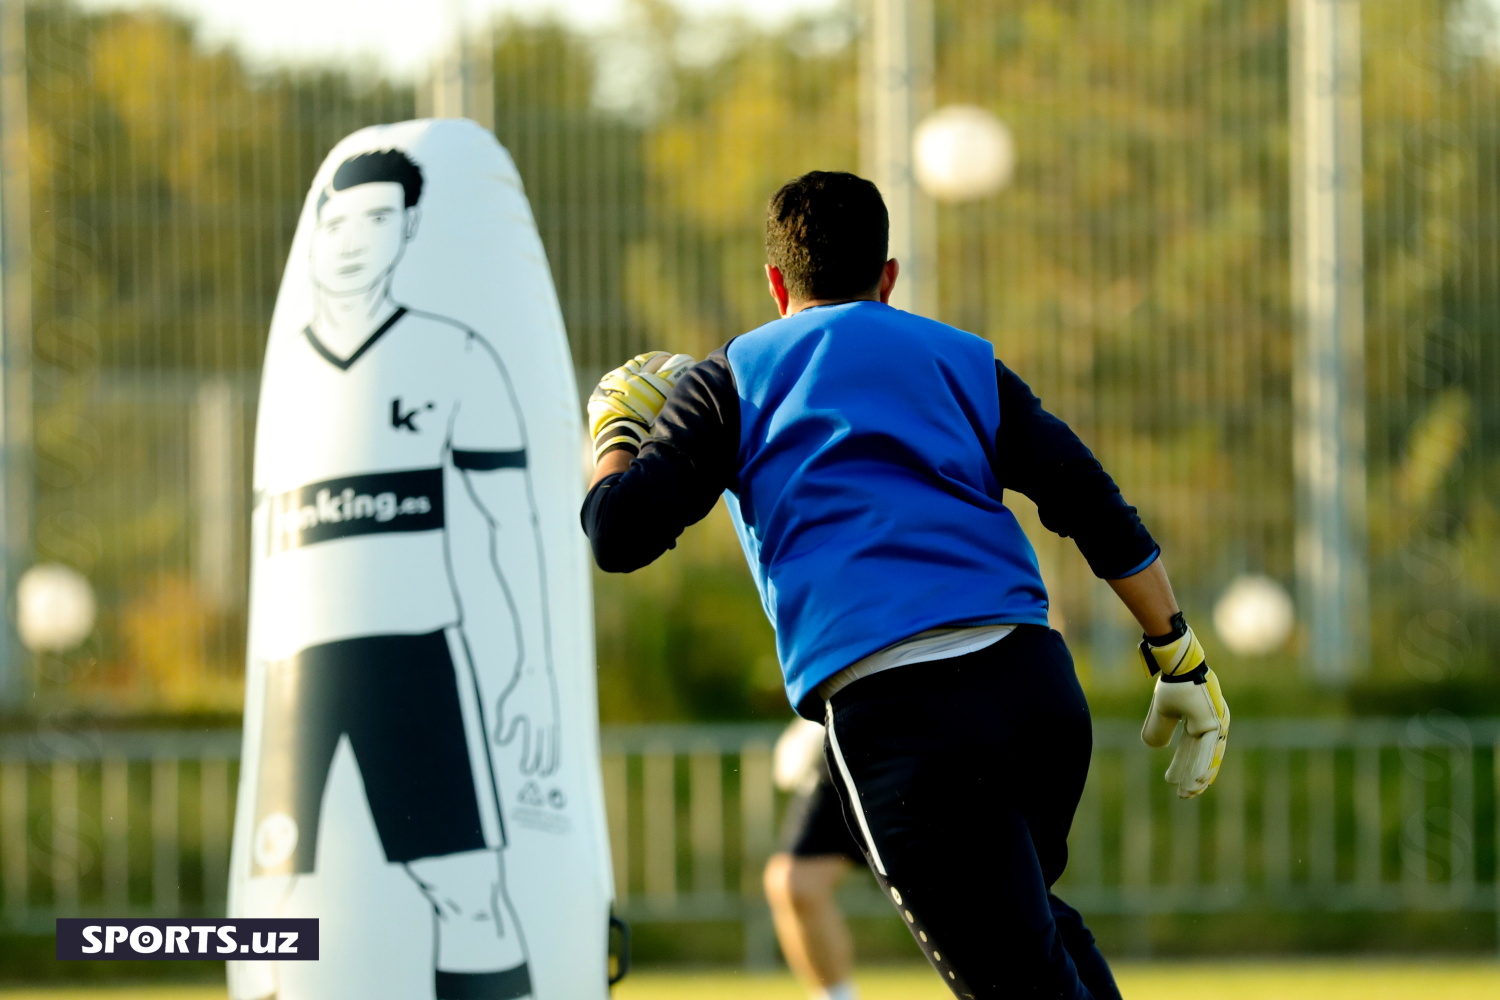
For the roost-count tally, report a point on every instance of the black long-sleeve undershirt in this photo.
(693, 456)
(1038, 456)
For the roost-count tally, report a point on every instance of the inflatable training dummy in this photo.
(420, 767)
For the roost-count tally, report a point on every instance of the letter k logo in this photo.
(406, 420)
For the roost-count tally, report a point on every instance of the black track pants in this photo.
(967, 772)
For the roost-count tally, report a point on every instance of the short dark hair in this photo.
(826, 232)
(389, 165)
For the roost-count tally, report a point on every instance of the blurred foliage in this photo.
(166, 180)
(1136, 272)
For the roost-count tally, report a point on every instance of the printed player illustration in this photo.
(400, 600)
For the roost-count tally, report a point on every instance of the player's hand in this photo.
(1187, 692)
(528, 710)
(626, 402)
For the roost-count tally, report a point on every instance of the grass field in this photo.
(1363, 979)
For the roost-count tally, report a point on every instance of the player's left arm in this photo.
(488, 447)
(1038, 455)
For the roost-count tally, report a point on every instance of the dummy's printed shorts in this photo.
(397, 699)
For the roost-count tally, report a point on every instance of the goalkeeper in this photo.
(865, 452)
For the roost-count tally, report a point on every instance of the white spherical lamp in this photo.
(1254, 616)
(54, 608)
(962, 153)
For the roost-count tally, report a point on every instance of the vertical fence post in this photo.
(706, 819)
(114, 796)
(1276, 820)
(758, 822)
(617, 812)
(1367, 866)
(217, 492)
(897, 90)
(1413, 833)
(659, 803)
(16, 430)
(1461, 865)
(1137, 769)
(13, 806)
(213, 825)
(1187, 819)
(1328, 294)
(1086, 842)
(164, 853)
(65, 839)
(1322, 858)
(1229, 835)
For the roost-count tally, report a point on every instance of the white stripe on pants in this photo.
(859, 812)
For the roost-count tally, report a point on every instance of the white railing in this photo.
(115, 823)
(1334, 815)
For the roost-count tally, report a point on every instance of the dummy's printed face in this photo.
(360, 234)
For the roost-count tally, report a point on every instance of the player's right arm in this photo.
(635, 514)
(1038, 455)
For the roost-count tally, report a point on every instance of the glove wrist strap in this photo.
(620, 435)
(618, 445)
(1198, 675)
(1179, 629)
(1173, 652)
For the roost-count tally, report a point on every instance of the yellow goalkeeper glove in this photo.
(1187, 692)
(625, 404)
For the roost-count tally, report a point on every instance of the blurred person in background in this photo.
(818, 850)
(863, 452)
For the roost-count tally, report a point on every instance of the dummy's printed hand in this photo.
(1187, 692)
(528, 709)
(626, 402)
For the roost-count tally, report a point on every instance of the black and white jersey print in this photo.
(358, 456)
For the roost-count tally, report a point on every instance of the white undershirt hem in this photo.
(934, 644)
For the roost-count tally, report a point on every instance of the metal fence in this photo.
(1372, 815)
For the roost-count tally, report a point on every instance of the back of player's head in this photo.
(387, 165)
(826, 232)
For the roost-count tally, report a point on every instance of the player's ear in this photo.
(413, 217)
(778, 289)
(888, 275)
